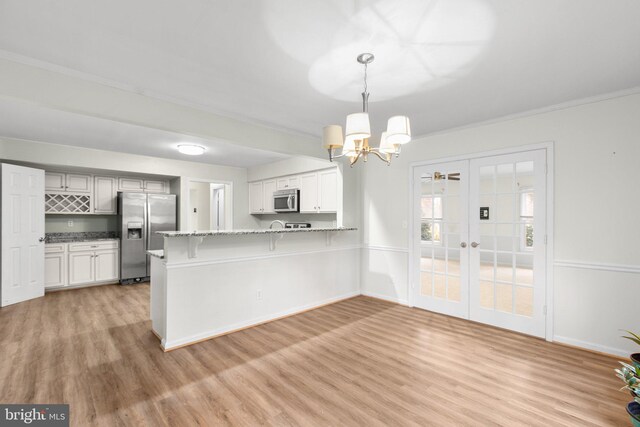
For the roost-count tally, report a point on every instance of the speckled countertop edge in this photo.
(158, 253)
(203, 233)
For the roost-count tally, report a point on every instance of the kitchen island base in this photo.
(236, 282)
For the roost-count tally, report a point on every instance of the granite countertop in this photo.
(202, 233)
(158, 253)
(82, 236)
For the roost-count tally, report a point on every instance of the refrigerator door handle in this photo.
(147, 224)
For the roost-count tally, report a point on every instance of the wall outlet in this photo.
(259, 295)
(404, 225)
(69, 223)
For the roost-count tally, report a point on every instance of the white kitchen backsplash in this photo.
(316, 220)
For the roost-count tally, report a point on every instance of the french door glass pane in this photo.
(440, 206)
(506, 236)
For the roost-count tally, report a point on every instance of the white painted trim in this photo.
(537, 111)
(479, 154)
(386, 298)
(590, 346)
(186, 198)
(549, 147)
(617, 268)
(168, 345)
(189, 264)
(386, 248)
(550, 191)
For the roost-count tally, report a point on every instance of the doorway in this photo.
(209, 205)
(480, 237)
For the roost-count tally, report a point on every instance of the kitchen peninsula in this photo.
(209, 283)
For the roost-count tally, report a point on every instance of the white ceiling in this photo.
(291, 64)
(28, 121)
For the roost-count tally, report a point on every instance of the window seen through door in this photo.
(526, 217)
(431, 219)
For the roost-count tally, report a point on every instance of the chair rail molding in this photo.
(618, 268)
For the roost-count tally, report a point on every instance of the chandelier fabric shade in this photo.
(358, 131)
(358, 126)
(386, 147)
(332, 137)
(398, 130)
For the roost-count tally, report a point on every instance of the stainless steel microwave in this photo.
(286, 200)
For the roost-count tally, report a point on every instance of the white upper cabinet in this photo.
(151, 186)
(319, 192)
(68, 182)
(268, 187)
(130, 184)
(261, 196)
(309, 193)
(78, 183)
(143, 185)
(54, 181)
(256, 205)
(287, 182)
(328, 191)
(105, 189)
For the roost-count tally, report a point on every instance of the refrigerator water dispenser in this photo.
(134, 230)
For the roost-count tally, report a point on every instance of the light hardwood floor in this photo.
(358, 362)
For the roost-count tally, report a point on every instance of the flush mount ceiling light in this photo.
(191, 149)
(355, 143)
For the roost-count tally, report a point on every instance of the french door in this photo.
(480, 240)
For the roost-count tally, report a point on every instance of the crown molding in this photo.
(47, 66)
(537, 111)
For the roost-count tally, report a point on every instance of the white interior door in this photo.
(508, 245)
(441, 221)
(22, 234)
(480, 246)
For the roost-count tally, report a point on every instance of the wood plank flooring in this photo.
(358, 362)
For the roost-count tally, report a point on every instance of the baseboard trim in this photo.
(85, 285)
(205, 336)
(596, 348)
(386, 298)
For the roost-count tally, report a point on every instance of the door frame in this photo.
(185, 202)
(549, 147)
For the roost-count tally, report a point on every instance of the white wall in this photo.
(59, 156)
(292, 166)
(597, 153)
(200, 199)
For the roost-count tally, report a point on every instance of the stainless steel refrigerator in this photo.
(140, 216)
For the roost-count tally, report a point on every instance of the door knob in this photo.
(475, 244)
(41, 239)
(463, 244)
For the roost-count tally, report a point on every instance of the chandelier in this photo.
(355, 143)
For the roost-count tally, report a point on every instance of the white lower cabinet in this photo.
(81, 268)
(105, 265)
(55, 265)
(81, 263)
